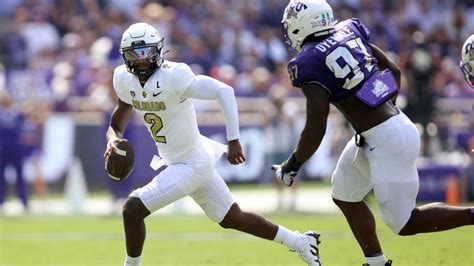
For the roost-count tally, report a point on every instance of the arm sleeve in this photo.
(183, 76)
(207, 88)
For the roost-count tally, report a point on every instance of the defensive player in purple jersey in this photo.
(336, 64)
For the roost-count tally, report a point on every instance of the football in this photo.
(120, 163)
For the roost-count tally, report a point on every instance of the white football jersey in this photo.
(169, 117)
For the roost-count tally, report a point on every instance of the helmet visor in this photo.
(140, 53)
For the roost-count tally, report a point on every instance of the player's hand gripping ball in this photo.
(119, 159)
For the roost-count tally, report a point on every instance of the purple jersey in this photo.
(340, 63)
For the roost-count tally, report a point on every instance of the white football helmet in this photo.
(467, 60)
(303, 18)
(141, 49)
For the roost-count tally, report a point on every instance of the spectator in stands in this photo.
(13, 49)
(40, 35)
(270, 50)
(280, 138)
(11, 121)
(238, 33)
(31, 141)
(419, 72)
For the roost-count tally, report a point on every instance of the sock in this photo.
(131, 261)
(291, 239)
(377, 260)
(472, 215)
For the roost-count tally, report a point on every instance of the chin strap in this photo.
(145, 76)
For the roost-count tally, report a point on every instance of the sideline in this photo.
(266, 200)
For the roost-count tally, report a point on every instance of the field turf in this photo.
(195, 240)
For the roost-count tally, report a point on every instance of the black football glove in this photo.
(287, 171)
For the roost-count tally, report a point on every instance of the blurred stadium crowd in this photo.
(59, 55)
(75, 42)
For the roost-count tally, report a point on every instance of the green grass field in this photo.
(195, 240)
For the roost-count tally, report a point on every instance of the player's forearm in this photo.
(309, 142)
(317, 111)
(119, 120)
(114, 130)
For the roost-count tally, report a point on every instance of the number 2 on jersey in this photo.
(351, 64)
(155, 126)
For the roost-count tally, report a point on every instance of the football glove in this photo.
(287, 171)
(281, 176)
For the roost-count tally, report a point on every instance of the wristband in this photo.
(292, 164)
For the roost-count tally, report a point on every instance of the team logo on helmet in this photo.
(467, 60)
(304, 18)
(291, 13)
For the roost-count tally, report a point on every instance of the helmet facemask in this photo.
(286, 36)
(141, 49)
(468, 73)
(143, 59)
(467, 61)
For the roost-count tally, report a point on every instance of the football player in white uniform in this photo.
(467, 60)
(158, 90)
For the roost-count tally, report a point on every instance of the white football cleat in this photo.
(388, 263)
(310, 251)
